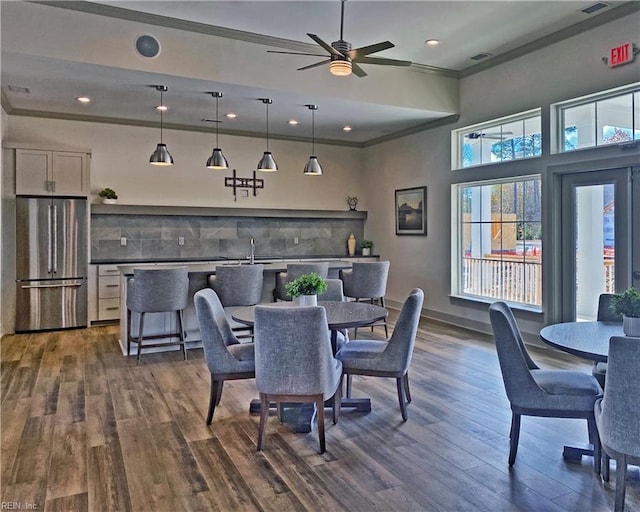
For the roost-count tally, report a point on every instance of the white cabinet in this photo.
(108, 292)
(60, 173)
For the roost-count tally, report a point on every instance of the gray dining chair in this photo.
(295, 363)
(238, 286)
(618, 412)
(157, 290)
(605, 314)
(367, 281)
(388, 359)
(536, 392)
(226, 357)
(295, 270)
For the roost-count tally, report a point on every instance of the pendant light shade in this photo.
(217, 159)
(267, 163)
(313, 167)
(161, 155)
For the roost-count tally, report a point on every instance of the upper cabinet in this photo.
(51, 173)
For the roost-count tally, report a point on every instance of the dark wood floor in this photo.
(83, 428)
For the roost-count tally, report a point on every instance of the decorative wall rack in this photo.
(249, 183)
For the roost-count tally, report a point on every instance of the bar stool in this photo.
(295, 270)
(367, 280)
(158, 290)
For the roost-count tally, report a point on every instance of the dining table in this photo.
(340, 316)
(589, 340)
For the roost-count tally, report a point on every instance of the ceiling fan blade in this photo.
(315, 65)
(384, 62)
(298, 53)
(330, 49)
(373, 48)
(357, 70)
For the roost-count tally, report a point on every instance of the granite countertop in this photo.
(222, 259)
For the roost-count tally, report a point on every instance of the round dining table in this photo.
(340, 316)
(589, 340)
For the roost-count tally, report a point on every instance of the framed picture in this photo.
(411, 211)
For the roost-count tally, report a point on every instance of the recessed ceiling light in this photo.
(432, 42)
(293, 122)
(84, 99)
(346, 129)
(231, 115)
(164, 108)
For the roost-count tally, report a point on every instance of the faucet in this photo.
(252, 251)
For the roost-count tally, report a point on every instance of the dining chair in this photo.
(387, 358)
(367, 281)
(605, 314)
(238, 286)
(157, 290)
(295, 363)
(226, 357)
(536, 392)
(295, 270)
(618, 412)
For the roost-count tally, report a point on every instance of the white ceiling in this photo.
(387, 101)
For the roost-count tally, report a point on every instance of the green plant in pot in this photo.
(108, 195)
(306, 289)
(627, 304)
(366, 246)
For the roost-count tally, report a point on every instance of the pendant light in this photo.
(217, 159)
(267, 163)
(313, 166)
(161, 155)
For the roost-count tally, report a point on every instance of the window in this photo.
(508, 138)
(497, 240)
(605, 118)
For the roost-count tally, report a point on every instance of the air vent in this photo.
(480, 56)
(595, 7)
(20, 90)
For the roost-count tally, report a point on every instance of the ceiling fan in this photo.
(342, 59)
(487, 135)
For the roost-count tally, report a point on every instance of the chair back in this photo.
(158, 290)
(366, 279)
(238, 285)
(295, 270)
(217, 334)
(334, 291)
(293, 351)
(604, 309)
(620, 419)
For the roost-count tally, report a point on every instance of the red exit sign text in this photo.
(621, 55)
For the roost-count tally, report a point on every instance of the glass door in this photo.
(597, 239)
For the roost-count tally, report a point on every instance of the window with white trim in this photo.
(497, 240)
(509, 138)
(609, 117)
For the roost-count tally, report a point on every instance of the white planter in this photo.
(366, 251)
(109, 201)
(306, 300)
(631, 326)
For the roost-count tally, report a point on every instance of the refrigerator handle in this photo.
(55, 240)
(49, 245)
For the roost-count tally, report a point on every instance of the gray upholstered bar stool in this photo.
(368, 281)
(238, 286)
(295, 270)
(157, 290)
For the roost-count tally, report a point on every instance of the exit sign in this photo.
(622, 54)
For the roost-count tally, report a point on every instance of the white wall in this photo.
(564, 70)
(4, 128)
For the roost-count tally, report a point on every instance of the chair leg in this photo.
(606, 466)
(386, 330)
(128, 331)
(349, 383)
(182, 334)
(337, 401)
(403, 405)
(216, 390)
(621, 481)
(594, 438)
(407, 392)
(140, 329)
(264, 413)
(219, 391)
(514, 437)
(320, 416)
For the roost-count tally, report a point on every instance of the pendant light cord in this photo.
(161, 111)
(313, 131)
(217, 120)
(267, 103)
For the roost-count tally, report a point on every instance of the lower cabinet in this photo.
(108, 292)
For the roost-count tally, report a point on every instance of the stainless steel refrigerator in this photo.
(51, 263)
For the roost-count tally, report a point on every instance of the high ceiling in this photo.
(61, 50)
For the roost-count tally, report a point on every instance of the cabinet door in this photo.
(33, 172)
(68, 174)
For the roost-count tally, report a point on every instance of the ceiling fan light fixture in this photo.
(217, 160)
(340, 67)
(267, 163)
(161, 155)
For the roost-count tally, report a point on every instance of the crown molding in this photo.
(410, 131)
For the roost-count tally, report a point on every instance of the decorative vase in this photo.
(366, 251)
(351, 244)
(307, 300)
(631, 326)
(109, 201)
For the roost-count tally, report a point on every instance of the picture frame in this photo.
(411, 211)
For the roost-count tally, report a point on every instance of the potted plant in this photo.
(627, 304)
(366, 246)
(108, 196)
(306, 288)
